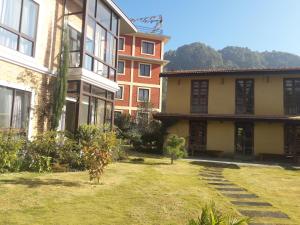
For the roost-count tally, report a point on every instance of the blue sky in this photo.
(258, 24)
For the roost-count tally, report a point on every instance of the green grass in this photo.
(150, 192)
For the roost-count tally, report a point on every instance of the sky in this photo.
(261, 25)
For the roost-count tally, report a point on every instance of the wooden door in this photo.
(292, 139)
(244, 138)
(197, 140)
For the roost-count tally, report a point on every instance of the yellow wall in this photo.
(269, 138)
(220, 136)
(181, 128)
(268, 94)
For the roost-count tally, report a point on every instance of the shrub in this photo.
(97, 147)
(211, 216)
(11, 145)
(175, 147)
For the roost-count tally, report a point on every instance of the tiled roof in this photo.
(238, 72)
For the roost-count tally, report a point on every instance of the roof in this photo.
(144, 59)
(126, 25)
(230, 72)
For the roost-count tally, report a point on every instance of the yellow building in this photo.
(246, 112)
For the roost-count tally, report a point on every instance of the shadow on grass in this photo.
(34, 183)
(291, 167)
(216, 165)
(141, 161)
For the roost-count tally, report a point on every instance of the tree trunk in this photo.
(172, 159)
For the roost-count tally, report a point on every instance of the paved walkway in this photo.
(247, 203)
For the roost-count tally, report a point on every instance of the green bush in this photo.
(11, 144)
(211, 216)
(175, 147)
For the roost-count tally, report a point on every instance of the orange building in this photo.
(141, 60)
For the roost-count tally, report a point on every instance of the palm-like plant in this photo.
(211, 216)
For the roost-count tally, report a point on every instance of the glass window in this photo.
(74, 60)
(143, 95)
(121, 67)
(110, 95)
(121, 46)
(100, 112)
(86, 87)
(244, 91)
(101, 69)
(29, 18)
(111, 50)
(114, 24)
(74, 39)
(83, 118)
(26, 46)
(10, 11)
(92, 7)
(70, 116)
(145, 70)
(8, 39)
(15, 108)
(103, 14)
(10, 16)
(119, 93)
(100, 45)
(90, 32)
(108, 114)
(73, 86)
(199, 96)
(292, 96)
(112, 74)
(147, 47)
(88, 62)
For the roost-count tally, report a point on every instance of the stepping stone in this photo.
(216, 179)
(250, 203)
(270, 214)
(212, 176)
(240, 195)
(222, 184)
(231, 189)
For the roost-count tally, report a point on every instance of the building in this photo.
(141, 60)
(247, 112)
(30, 49)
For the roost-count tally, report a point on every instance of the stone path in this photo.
(248, 204)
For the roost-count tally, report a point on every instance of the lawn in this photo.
(149, 192)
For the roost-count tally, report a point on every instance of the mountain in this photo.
(200, 56)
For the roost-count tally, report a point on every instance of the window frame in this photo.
(122, 93)
(285, 103)
(150, 71)
(138, 94)
(123, 61)
(244, 98)
(121, 50)
(145, 53)
(201, 110)
(14, 90)
(20, 34)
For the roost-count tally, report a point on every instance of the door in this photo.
(292, 139)
(197, 138)
(244, 138)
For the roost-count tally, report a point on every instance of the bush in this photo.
(175, 147)
(11, 145)
(211, 216)
(97, 147)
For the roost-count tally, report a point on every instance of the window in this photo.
(199, 98)
(15, 107)
(244, 92)
(96, 106)
(119, 93)
(117, 114)
(74, 45)
(121, 67)
(145, 70)
(143, 95)
(292, 139)
(18, 23)
(292, 96)
(142, 117)
(148, 47)
(244, 138)
(121, 46)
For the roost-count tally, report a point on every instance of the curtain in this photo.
(29, 18)
(8, 39)
(6, 96)
(10, 11)
(18, 109)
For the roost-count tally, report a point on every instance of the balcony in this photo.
(93, 28)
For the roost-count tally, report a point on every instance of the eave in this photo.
(144, 59)
(227, 117)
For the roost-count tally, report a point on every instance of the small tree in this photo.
(175, 147)
(97, 148)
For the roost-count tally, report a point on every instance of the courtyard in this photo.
(151, 191)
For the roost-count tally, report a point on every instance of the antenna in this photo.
(156, 29)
